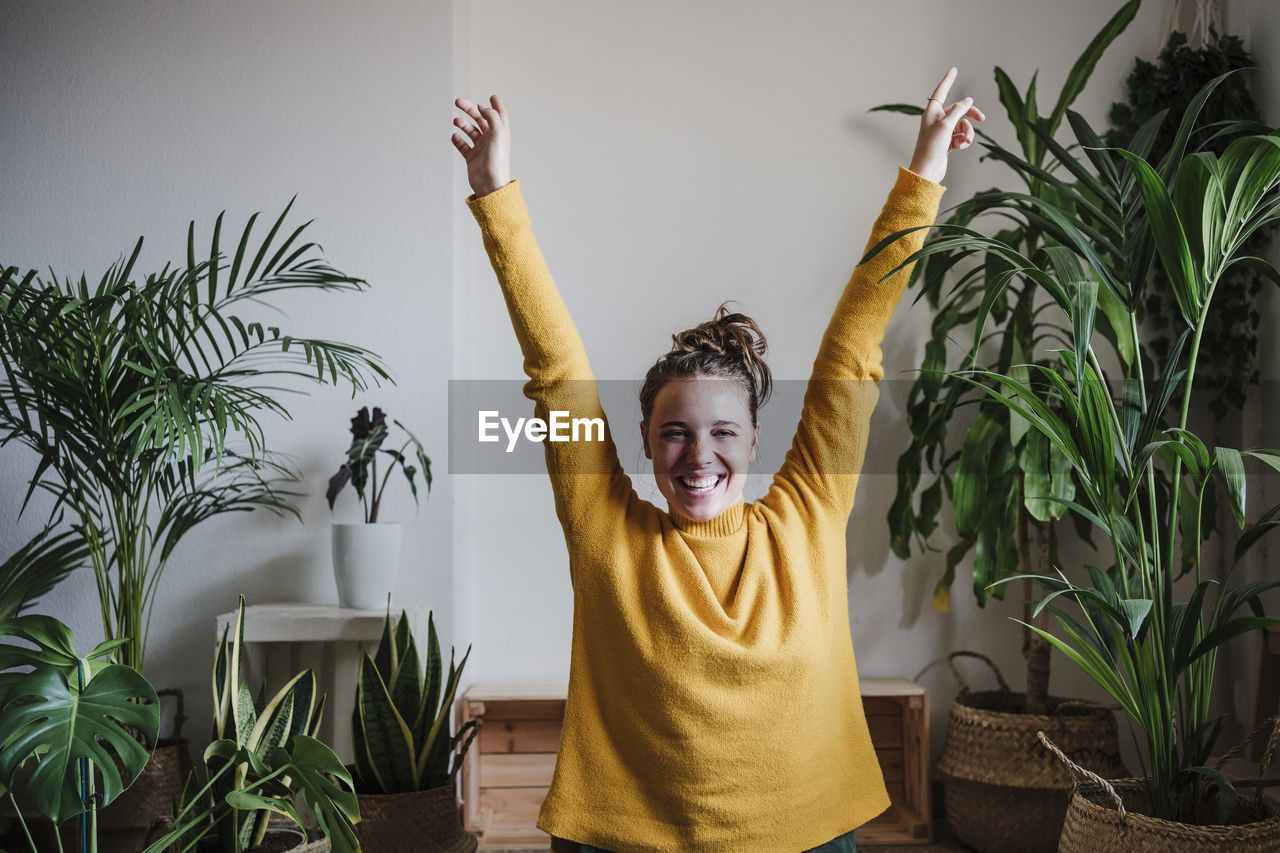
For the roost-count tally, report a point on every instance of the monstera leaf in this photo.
(49, 719)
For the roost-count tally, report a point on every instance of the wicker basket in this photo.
(423, 822)
(1110, 815)
(1004, 792)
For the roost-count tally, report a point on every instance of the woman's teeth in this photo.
(700, 484)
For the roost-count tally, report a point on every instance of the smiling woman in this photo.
(698, 407)
(713, 697)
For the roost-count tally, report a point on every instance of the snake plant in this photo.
(400, 724)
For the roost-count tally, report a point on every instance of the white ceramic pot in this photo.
(365, 560)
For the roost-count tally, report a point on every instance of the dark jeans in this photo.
(843, 844)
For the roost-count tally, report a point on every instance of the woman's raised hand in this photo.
(485, 143)
(943, 130)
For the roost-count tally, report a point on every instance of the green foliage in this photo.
(361, 468)
(129, 391)
(1001, 476)
(71, 725)
(1143, 480)
(400, 726)
(1229, 354)
(248, 734)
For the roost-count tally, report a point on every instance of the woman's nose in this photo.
(700, 451)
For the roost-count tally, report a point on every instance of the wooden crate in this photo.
(898, 716)
(508, 770)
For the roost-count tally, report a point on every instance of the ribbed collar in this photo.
(723, 524)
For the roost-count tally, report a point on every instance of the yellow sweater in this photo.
(713, 696)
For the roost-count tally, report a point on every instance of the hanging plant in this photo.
(1229, 363)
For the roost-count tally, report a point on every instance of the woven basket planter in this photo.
(422, 822)
(1004, 792)
(1094, 822)
(1112, 814)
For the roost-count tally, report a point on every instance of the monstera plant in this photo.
(75, 731)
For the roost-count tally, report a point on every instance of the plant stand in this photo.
(282, 639)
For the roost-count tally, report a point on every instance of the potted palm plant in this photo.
(406, 757)
(75, 731)
(1143, 477)
(142, 398)
(366, 554)
(994, 477)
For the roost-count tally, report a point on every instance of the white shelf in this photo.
(281, 640)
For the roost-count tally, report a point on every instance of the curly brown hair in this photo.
(728, 346)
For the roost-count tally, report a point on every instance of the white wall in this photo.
(677, 154)
(674, 155)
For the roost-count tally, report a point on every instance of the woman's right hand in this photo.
(485, 143)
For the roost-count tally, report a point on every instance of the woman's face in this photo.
(701, 440)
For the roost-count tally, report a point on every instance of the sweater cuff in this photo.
(501, 209)
(919, 197)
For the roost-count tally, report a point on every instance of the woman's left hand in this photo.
(943, 130)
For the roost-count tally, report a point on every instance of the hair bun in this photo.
(727, 333)
(728, 346)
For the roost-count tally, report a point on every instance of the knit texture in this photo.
(713, 697)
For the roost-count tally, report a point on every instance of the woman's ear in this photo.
(644, 439)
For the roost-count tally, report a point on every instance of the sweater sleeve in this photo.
(585, 474)
(819, 476)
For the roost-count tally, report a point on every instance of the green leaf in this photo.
(1170, 238)
(1088, 60)
(1118, 318)
(322, 781)
(1037, 479)
(52, 724)
(384, 736)
(1136, 611)
(906, 109)
(1231, 469)
(1233, 628)
(970, 494)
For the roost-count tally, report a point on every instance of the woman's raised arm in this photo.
(820, 472)
(585, 473)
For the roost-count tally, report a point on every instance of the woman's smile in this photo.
(702, 441)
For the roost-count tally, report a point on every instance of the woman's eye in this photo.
(672, 435)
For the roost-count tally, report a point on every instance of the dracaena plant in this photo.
(75, 731)
(1143, 478)
(996, 475)
(368, 432)
(142, 397)
(400, 727)
(264, 753)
